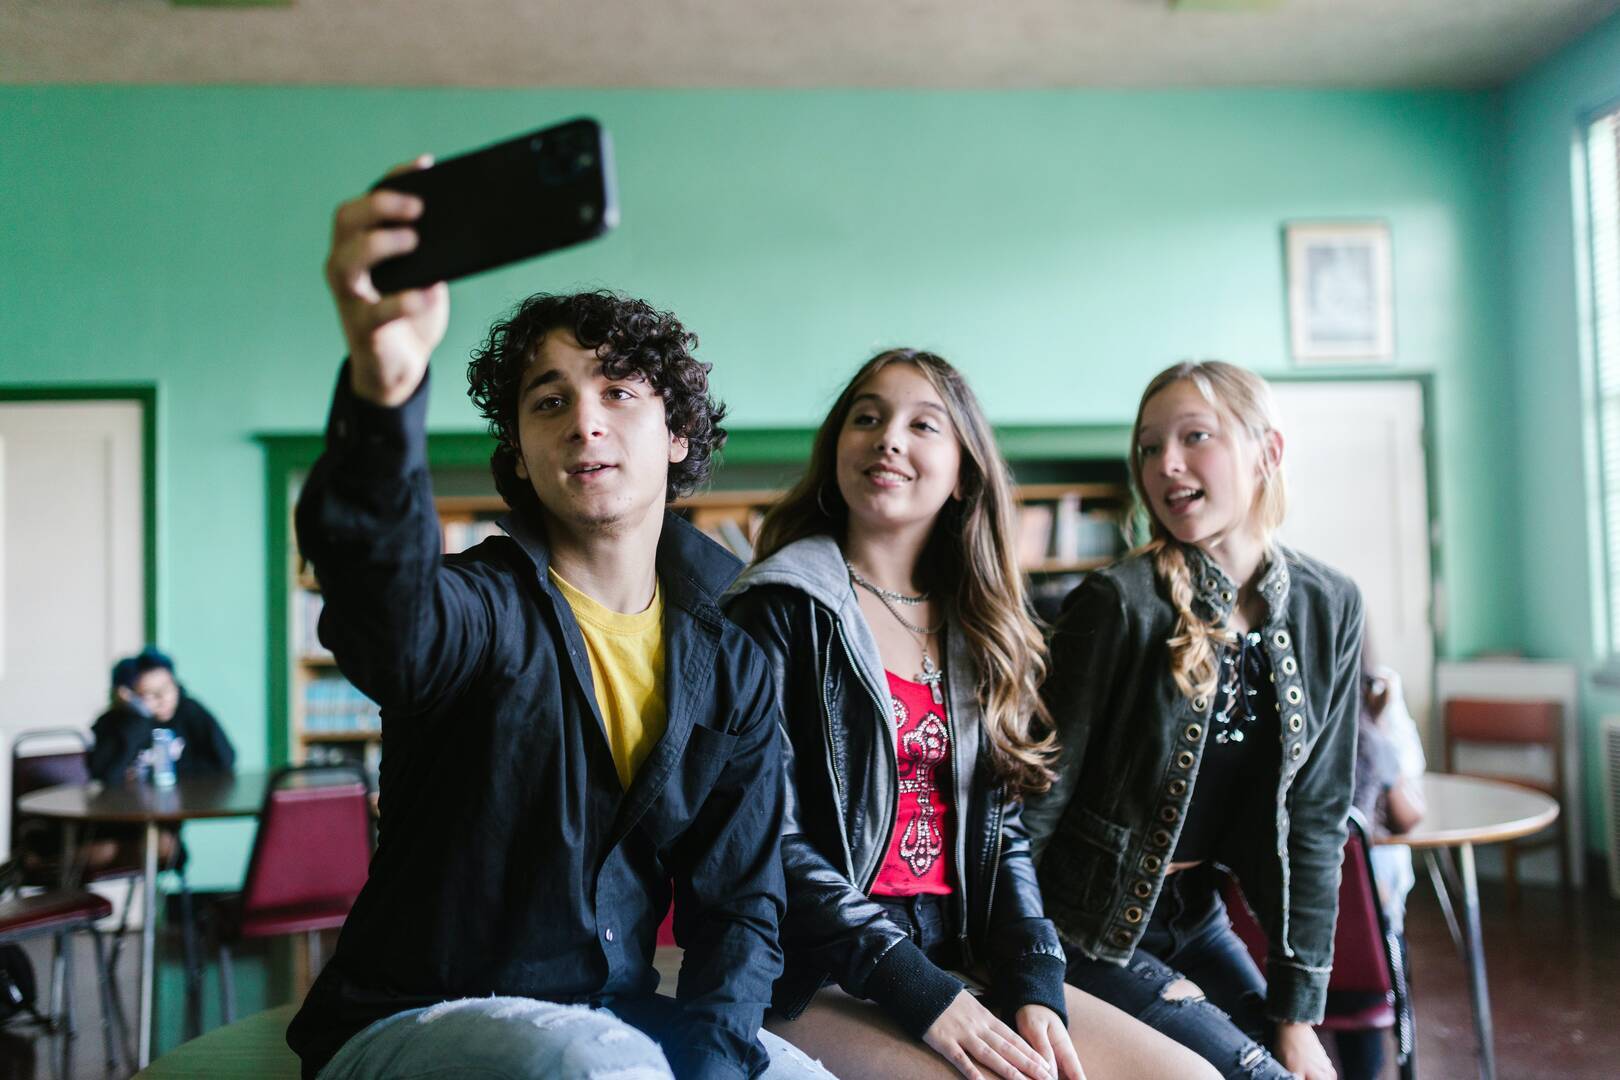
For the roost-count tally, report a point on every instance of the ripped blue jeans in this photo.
(1190, 936)
(515, 1038)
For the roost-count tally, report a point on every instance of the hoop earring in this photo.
(820, 504)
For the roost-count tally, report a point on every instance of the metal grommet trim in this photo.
(1142, 889)
(1200, 703)
(1184, 759)
(1289, 665)
(1280, 639)
(1295, 722)
(1168, 814)
(1151, 864)
(1134, 914)
(1194, 732)
(1122, 938)
(1226, 595)
(1296, 751)
(1295, 696)
(1160, 838)
(1177, 787)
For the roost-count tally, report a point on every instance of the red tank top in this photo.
(919, 856)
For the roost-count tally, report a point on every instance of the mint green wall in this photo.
(1060, 246)
(1557, 576)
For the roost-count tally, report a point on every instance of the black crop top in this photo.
(1244, 751)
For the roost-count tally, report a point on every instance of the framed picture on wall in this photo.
(1340, 295)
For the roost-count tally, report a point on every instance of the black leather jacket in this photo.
(1132, 744)
(799, 606)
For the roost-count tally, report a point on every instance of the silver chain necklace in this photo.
(882, 593)
(930, 676)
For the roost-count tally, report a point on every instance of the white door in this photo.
(1358, 500)
(72, 563)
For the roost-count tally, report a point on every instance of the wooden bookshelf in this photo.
(1072, 486)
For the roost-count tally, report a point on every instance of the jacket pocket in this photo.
(1095, 858)
(702, 762)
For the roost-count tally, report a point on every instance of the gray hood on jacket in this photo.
(815, 566)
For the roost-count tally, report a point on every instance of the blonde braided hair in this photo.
(1245, 397)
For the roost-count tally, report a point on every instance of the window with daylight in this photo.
(1603, 188)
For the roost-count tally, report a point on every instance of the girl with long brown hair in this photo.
(1205, 689)
(889, 603)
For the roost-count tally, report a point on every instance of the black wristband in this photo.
(1034, 980)
(911, 988)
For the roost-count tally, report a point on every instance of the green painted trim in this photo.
(1018, 442)
(146, 396)
(287, 457)
(766, 446)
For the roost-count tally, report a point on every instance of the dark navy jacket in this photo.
(510, 861)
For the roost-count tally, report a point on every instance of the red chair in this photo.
(61, 913)
(1367, 962)
(36, 845)
(1515, 723)
(310, 858)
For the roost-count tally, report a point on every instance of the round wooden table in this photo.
(241, 795)
(1463, 811)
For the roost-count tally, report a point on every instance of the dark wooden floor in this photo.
(1554, 969)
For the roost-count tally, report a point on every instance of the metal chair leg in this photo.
(112, 1021)
(68, 1028)
(227, 986)
(188, 942)
(59, 980)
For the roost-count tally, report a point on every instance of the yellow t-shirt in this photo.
(627, 666)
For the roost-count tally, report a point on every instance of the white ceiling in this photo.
(789, 43)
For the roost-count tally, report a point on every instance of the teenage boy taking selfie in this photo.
(572, 733)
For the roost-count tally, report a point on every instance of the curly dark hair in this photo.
(632, 338)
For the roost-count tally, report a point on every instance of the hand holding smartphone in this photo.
(539, 192)
(424, 224)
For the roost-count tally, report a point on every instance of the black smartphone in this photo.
(536, 193)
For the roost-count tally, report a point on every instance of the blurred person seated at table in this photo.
(1388, 792)
(145, 697)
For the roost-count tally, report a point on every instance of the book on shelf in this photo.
(1099, 536)
(333, 704)
(733, 528)
(308, 618)
(461, 535)
(1034, 533)
(1066, 528)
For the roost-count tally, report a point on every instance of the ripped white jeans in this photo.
(515, 1038)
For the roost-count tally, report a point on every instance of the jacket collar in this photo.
(815, 566)
(1217, 592)
(692, 569)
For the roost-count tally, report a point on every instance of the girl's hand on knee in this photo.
(1048, 1036)
(970, 1037)
(1301, 1052)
